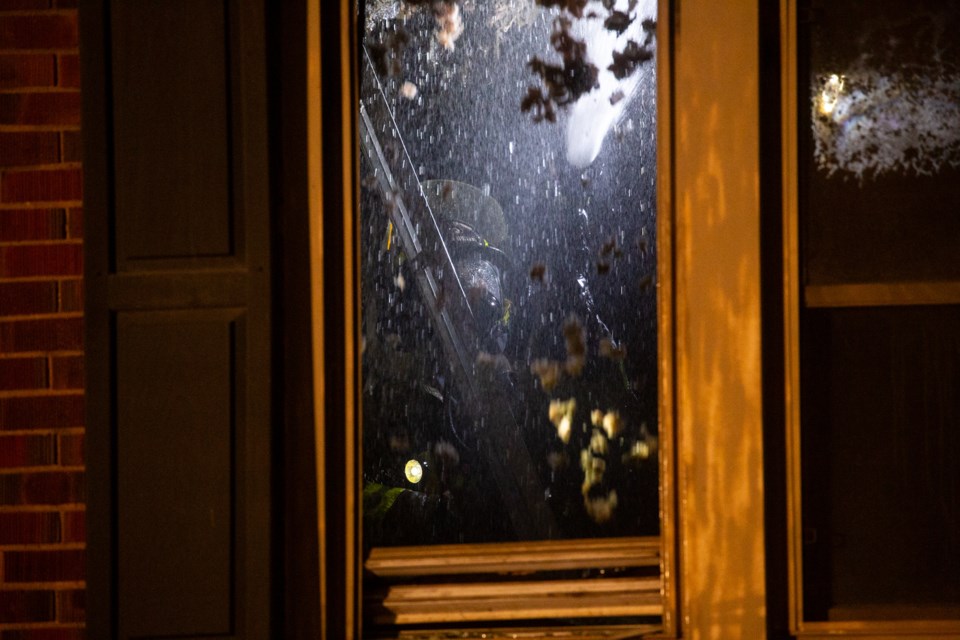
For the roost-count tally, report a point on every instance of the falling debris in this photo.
(538, 271)
(560, 414)
(610, 349)
(386, 55)
(612, 424)
(639, 451)
(575, 337)
(627, 61)
(408, 90)
(446, 192)
(399, 442)
(541, 106)
(601, 508)
(564, 83)
(598, 443)
(548, 371)
(447, 15)
(446, 453)
(575, 7)
(449, 23)
(610, 247)
(618, 21)
(491, 367)
(557, 460)
(593, 467)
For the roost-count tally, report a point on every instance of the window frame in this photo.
(798, 296)
(702, 563)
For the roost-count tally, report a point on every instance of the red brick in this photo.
(49, 633)
(32, 70)
(24, 260)
(40, 185)
(54, 334)
(68, 75)
(75, 222)
(21, 225)
(29, 527)
(71, 295)
(27, 606)
(41, 412)
(58, 31)
(21, 298)
(71, 605)
(67, 372)
(42, 488)
(19, 149)
(27, 451)
(22, 373)
(54, 107)
(74, 526)
(44, 566)
(71, 450)
(22, 5)
(72, 147)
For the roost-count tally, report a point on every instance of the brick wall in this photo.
(41, 361)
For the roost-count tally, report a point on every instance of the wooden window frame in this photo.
(798, 296)
(701, 265)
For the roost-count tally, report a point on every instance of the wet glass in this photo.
(508, 272)
(880, 144)
(880, 205)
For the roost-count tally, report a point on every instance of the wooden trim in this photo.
(551, 555)
(605, 632)
(666, 337)
(791, 312)
(352, 332)
(314, 91)
(532, 600)
(879, 294)
(331, 96)
(881, 630)
(719, 386)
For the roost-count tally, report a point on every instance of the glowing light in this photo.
(413, 471)
(830, 93)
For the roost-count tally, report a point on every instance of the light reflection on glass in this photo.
(889, 101)
(832, 88)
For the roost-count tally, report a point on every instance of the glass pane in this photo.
(508, 261)
(879, 203)
(880, 141)
(881, 483)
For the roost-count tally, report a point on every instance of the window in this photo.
(708, 334)
(508, 288)
(874, 354)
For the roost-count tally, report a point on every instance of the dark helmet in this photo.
(473, 226)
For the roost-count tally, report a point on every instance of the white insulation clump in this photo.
(867, 124)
